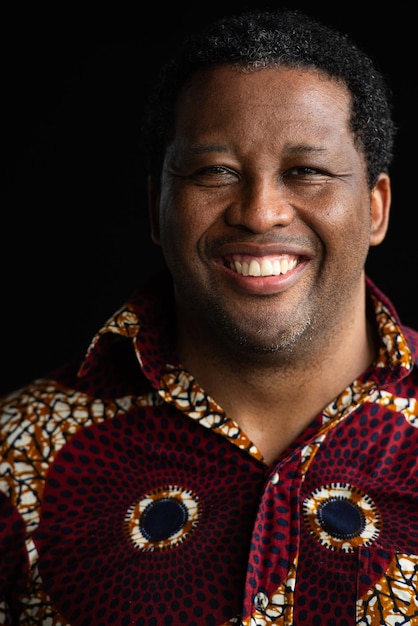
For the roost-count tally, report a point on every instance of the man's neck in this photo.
(274, 399)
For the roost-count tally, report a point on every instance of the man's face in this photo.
(264, 215)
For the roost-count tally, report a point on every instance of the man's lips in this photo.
(270, 265)
(261, 259)
(262, 268)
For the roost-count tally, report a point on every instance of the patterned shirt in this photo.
(129, 497)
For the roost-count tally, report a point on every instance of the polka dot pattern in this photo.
(127, 508)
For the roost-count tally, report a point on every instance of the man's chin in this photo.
(261, 342)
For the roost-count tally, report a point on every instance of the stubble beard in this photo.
(257, 341)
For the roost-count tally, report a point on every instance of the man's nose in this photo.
(260, 206)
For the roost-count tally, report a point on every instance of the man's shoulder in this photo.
(39, 396)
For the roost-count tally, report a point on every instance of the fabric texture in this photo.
(128, 496)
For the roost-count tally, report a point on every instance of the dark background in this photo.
(74, 236)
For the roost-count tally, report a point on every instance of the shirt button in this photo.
(261, 601)
(275, 479)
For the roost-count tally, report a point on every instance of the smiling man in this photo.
(239, 444)
(290, 193)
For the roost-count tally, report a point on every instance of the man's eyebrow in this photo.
(290, 149)
(211, 147)
(305, 148)
(215, 147)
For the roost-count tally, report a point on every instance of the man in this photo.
(239, 445)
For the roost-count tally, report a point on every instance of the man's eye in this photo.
(303, 171)
(215, 170)
(215, 175)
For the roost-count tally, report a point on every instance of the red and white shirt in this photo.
(129, 497)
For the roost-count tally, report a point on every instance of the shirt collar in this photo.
(147, 320)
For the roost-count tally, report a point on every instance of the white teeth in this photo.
(265, 268)
(254, 269)
(284, 266)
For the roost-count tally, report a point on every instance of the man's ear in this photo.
(154, 209)
(381, 197)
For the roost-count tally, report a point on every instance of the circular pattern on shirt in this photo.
(342, 517)
(142, 523)
(163, 518)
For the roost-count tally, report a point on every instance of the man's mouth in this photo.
(263, 266)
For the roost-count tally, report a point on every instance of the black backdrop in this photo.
(74, 238)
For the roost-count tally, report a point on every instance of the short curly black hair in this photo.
(258, 39)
